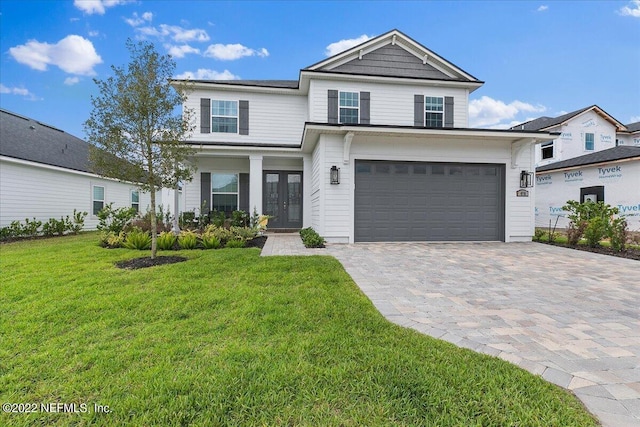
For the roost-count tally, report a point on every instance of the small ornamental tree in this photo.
(135, 132)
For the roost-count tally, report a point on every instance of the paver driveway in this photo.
(571, 316)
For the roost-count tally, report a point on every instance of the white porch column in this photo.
(255, 183)
(306, 190)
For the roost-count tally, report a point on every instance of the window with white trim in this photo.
(434, 111)
(135, 200)
(97, 199)
(349, 103)
(224, 192)
(224, 116)
(547, 150)
(589, 141)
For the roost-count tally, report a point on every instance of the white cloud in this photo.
(543, 8)
(180, 51)
(176, 33)
(634, 119)
(136, 20)
(230, 52)
(73, 54)
(634, 10)
(342, 45)
(94, 33)
(70, 81)
(489, 112)
(97, 6)
(206, 74)
(18, 91)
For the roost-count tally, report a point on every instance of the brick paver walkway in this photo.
(572, 317)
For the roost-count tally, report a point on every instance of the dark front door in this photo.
(282, 199)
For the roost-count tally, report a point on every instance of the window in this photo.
(135, 200)
(547, 150)
(224, 189)
(224, 116)
(98, 199)
(588, 141)
(434, 111)
(349, 107)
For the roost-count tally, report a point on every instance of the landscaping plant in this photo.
(115, 220)
(311, 238)
(137, 239)
(188, 239)
(167, 240)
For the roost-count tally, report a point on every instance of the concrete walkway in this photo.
(287, 244)
(572, 317)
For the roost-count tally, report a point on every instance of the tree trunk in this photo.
(154, 223)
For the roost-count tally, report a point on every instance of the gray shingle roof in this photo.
(616, 153)
(546, 122)
(27, 139)
(633, 127)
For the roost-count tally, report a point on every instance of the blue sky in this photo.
(536, 57)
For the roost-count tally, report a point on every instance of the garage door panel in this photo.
(406, 201)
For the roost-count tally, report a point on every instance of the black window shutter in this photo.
(205, 192)
(418, 110)
(244, 192)
(365, 107)
(244, 118)
(332, 116)
(448, 111)
(205, 115)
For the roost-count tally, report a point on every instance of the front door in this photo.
(282, 199)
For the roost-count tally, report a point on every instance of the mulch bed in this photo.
(628, 253)
(136, 263)
(257, 242)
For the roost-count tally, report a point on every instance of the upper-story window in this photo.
(224, 116)
(589, 139)
(547, 150)
(434, 111)
(349, 107)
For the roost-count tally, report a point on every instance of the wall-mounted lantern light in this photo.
(334, 174)
(526, 179)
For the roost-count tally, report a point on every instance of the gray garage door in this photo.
(414, 201)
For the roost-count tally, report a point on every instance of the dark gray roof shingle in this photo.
(27, 139)
(616, 153)
(545, 122)
(280, 84)
(633, 127)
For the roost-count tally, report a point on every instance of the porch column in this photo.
(255, 184)
(306, 190)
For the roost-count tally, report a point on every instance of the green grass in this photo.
(230, 338)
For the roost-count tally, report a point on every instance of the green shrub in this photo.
(54, 227)
(187, 220)
(222, 234)
(236, 243)
(538, 234)
(78, 222)
(30, 228)
(115, 220)
(210, 241)
(137, 239)
(619, 234)
(144, 223)
(166, 240)
(239, 219)
(311, 238)
(217, 218)
(243, 233)
(188, 239)
(109, 239)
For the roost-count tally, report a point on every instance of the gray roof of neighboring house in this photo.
(612, 154)
(281, 84)
(27, 139)
(633, 127)
(546, 122)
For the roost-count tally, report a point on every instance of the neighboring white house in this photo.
(629, 136)
(45, 173)
(584, 131)
(371, 144)
(611, 176)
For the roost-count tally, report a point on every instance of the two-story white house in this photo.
(371, 144)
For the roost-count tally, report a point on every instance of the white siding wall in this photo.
(391, 104)
(273, 118)
(30, 190)
(570, 144)
(337, 207)
(316, 188)
(621, 189)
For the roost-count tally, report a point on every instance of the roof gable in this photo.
(394, 55)
(544, 123)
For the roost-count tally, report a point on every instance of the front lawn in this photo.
(230, 338)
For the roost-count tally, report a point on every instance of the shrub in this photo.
(115, 220)
(243, 233)
(239, 219)
(78, 222)
(166, 240)
(187, 220)
(144, 223)
(619, 234)
(54, 226)
(222, 234)
(30, 228)
(236, 243)
(137, 239)
(217, 218)
(109, 239)
(188, 240)
(311, 238)
(210, 241)
(538, 233)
